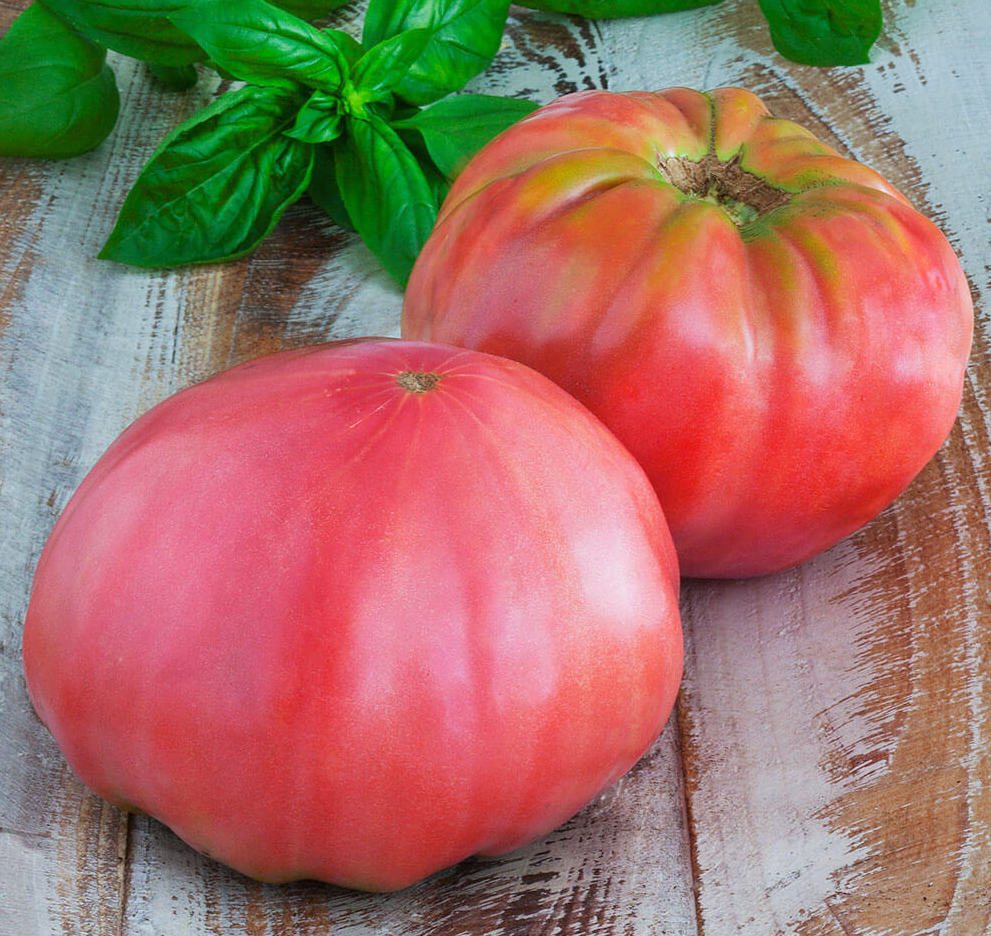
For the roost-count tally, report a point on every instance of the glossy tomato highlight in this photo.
(772, 330)
(356, 612)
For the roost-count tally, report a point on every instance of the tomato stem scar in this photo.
(417, 381)
(743, 195)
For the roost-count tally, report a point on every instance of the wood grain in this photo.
(826, 773)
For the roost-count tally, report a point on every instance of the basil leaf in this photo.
(824, 32)
(257, 42)
(323, 188)
(138, 28)
(58, 97)
(385, 193)
(175, 77)
(466, 35)
(608, 9)
(319, 120)
(456, 128)
(217, 184)
(384, 65)
(141, 28)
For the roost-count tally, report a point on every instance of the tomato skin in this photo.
(326, 626)
(781, 381)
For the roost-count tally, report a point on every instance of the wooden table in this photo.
(828, 770)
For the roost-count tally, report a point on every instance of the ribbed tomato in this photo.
(356, 612)
(772, 330)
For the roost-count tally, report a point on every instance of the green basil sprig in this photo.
(58, 96)
(320, 112)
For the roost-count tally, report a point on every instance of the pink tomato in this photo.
(772, 330)
(356, 612)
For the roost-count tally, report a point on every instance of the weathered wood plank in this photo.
(61, 849)
(834, 723)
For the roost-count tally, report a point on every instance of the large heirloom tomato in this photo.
(770, 328)
(357, 612)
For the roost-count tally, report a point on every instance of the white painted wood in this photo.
(833, 737)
